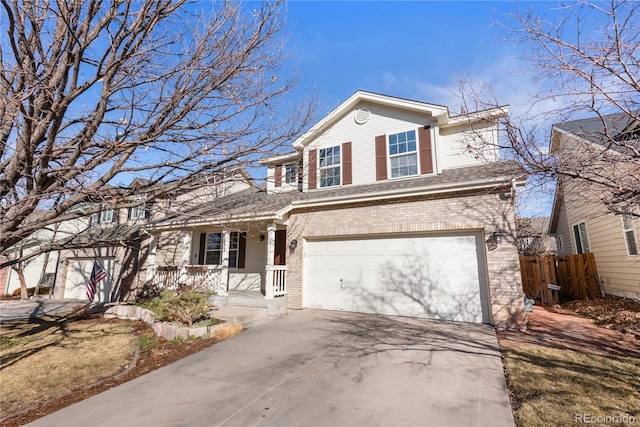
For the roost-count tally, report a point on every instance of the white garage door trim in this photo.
(439, 276)
(78, 274)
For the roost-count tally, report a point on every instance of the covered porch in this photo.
(239, 259)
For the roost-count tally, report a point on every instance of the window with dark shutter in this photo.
(381, 157)
(347, 177)
(424, 141)
(242, 249)
(203, 246)
(313, 159)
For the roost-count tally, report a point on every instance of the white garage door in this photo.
(437, 276)
(78, 274)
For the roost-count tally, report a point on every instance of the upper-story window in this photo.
(329, 161)
(629, 235)
(138, 212)
(291, 173)
(108, 216)
(403, 154)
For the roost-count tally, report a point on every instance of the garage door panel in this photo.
(426, 276)
(78, 274)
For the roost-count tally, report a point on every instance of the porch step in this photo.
(246, 316)
(241, 299)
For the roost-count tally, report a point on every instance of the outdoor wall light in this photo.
(262, 237)
(497, 236)
(293, 244)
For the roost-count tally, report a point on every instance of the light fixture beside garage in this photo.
(293, 245)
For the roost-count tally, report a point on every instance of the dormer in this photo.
(283, 172)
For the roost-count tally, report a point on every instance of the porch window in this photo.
(629, 235)
(213, 249)
(582, 240)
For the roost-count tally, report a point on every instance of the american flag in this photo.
(98, 273)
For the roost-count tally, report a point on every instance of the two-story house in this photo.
(384, 206)
(580, 220)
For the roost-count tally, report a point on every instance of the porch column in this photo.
(151, 261)
(187, 236)
(271, 251)
(223, 283)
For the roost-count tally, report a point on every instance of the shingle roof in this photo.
(256, 202)
(615, 131)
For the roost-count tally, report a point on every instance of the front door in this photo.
(280, 252)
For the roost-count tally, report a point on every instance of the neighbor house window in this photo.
(107, 216)
(403, 154)
(291, 173)
(582, 240)
(629, 235)
(329, 166)
(213, 249)
(138, 212)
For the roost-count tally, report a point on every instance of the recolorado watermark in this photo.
(604, 419)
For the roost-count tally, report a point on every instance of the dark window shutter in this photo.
(381, 157)
(313, 159)
(129, 213)
(278, 176)
(242, 249)
(114, 216)
(346, 164)
(203, 247)
(426, 160)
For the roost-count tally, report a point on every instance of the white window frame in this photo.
(582, 238)
(207, 250)
(291, 173)
(629, 235)
(332, 166)
(234, 236)
(406, 154)
(138, 212)
(107, 216)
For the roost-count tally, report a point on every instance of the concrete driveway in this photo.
(30, 309)
(318, 368)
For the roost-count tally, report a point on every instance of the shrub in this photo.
(186, 305)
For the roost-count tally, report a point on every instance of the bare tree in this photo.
(95, 93)
(584, 59)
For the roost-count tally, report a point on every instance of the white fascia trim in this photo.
(436, 111)
(279, 159)
(394, 194)
(490, 115)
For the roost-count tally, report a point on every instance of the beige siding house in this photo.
(581, 223)
(382, 207)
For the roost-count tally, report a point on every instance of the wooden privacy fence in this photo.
(575, 274)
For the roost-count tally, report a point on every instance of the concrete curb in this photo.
(163, 329)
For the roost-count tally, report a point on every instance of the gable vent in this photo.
(362, 116)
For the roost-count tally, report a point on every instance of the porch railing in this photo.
(275, 283)
(171, 276)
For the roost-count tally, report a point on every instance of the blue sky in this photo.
(413, 49)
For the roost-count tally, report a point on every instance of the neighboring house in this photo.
(533, 236)
(116, 238)
(581, 222)
(383, 207)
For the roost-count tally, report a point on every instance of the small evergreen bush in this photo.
(186, 305)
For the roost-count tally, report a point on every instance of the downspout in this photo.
(435, 149)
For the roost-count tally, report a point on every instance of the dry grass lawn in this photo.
(43, 359)
(554, 386)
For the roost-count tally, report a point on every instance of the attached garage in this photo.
(78, 274)
(439, 276)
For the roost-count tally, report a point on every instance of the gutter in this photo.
(396, 194)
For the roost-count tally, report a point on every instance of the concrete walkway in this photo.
(318, 368)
